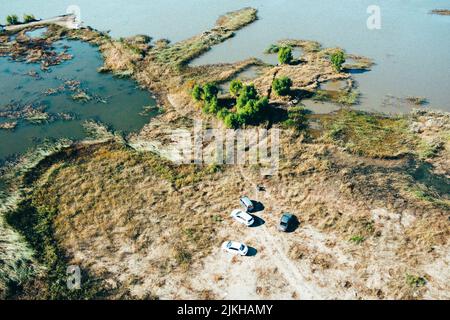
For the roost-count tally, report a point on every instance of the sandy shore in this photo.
(68, 21)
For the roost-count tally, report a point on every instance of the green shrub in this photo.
(252, 111)
(357, 239)
(415, 281)
(197, 93)
(28, 18)
(246, 94)
(12, 20)
(212, 105)
(232, 121)
(282, 86)
(338, 59)
(235, 87)
(285, 55)
(249, 106)
(210, 91)
(297, 118)
(223, 113)
(206, 93)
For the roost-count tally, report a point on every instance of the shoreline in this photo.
(66, 21)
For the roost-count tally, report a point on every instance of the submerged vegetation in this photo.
(418, 101)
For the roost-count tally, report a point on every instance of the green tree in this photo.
(282, 86)
(338, 59)
(210, 91)
(223, 113)
(28, 18)
(197, 93)
(233, 121)
(252, 111)
(212, 105)
(235, 87)
(246, 94)
(12, 19)
(285, 55)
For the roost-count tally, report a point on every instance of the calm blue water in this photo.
(123, 111)
(412, 50)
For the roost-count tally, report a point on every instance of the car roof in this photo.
(245, 215)
(235, 244)
(247, 201)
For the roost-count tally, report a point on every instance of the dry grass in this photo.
(269, 282)
(441, 12)
(122, 215)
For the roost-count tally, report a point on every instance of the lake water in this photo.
(122, 112)
(412, 49)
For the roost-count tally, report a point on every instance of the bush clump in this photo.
(415, 281)
(337, 59)
(249, 105)
(282, 86)
(235, 87)
(12, 20)
(285, 55)
(205, 93)
(28, 18)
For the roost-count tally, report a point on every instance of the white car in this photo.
(242, 217)
(235, 248)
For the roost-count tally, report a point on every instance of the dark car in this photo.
(287, 222)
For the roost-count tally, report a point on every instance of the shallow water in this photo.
(125, 101)
(36, 33)
(412, 49)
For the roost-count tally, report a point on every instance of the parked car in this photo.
(247, 204)
(242, 217)
(235, 248)
(287, 222)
